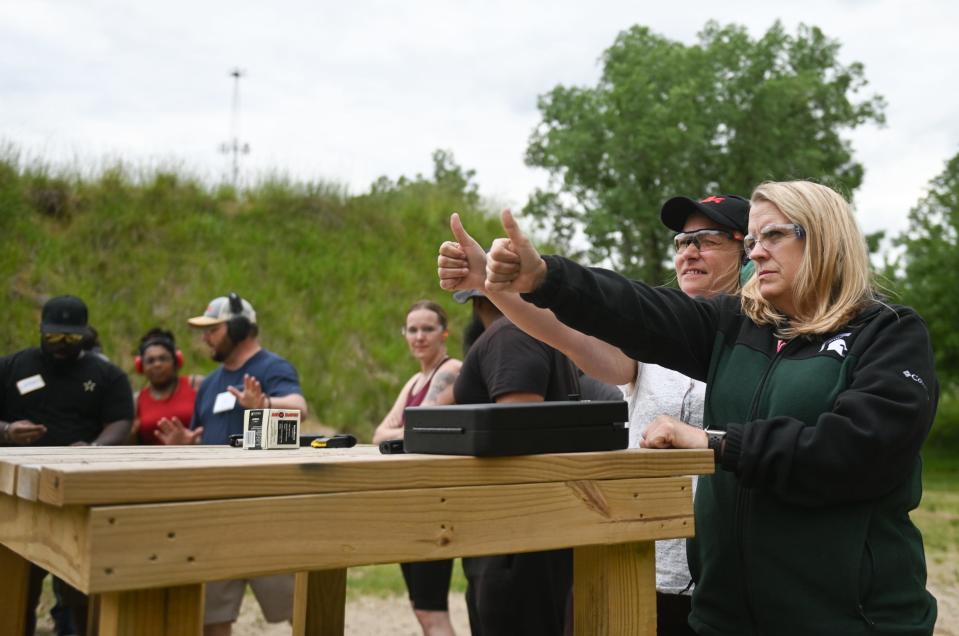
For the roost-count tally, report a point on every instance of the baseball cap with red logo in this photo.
(728, 210)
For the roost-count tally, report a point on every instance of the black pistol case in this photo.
(528, 428)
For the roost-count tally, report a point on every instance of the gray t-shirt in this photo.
(660, 391)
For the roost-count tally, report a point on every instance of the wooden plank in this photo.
(92, 451)
(81, 450)
(614, 589)
(28, 481)
(8, 478)
(319, 603)
(169, 544)
(160, 612)
(11, 457)
(119, 457)
(54, 538)
(242, 474)
(13, 591)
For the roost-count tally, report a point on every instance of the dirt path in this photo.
(365, 616)
(943, 582)
(392, 616)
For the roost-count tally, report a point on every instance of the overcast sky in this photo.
(349, 91)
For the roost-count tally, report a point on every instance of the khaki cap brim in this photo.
(204, 321)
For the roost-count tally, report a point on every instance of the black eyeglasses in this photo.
(69, 338)
(704, 240)
(772, 236)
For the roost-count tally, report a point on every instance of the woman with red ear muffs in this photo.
(426, 333)
(166, 395)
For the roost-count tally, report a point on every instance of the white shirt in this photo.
(660, 391)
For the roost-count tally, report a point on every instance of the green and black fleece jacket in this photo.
(804, 529)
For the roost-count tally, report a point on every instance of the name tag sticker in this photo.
(28, 385)
(224, 402)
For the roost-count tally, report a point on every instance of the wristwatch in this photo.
(714, 441)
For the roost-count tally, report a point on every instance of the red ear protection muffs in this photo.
(177, 359)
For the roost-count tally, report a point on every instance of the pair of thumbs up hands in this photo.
(512, 264)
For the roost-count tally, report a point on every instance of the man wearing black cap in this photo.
(56, 395)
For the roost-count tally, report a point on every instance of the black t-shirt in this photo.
(73, 401)
(517, 593)
(507, 360)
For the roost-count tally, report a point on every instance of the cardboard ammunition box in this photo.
(271, 428)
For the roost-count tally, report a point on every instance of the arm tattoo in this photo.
(441, 381)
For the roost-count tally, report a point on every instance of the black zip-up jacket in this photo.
(806, 530)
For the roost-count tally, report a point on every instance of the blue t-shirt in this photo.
(276, 376)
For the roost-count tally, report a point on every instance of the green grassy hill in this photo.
(330, 274)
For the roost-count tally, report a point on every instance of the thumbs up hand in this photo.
(513, 264)
(461, 264)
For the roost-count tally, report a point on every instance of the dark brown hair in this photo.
(431, 306)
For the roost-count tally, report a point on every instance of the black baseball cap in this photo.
(464, 295)
(728, 210)
(64, 314)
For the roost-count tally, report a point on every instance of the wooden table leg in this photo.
(13, 591)
(319, 603)
(614, 589)
(157, 612)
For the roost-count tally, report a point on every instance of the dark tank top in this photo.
(415, 399)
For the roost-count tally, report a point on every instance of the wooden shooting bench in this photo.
(145, 527)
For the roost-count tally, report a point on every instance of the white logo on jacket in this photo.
(914, 377)
(837, 344)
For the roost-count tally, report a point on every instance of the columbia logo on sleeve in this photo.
(915, 378)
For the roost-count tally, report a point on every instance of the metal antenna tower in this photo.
(233, 146)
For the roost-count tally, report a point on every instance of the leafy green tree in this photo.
(448, 176)
(668, 119)
(927, 267)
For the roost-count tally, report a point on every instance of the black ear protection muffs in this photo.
(237, 327)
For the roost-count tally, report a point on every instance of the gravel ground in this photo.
(392, 616)
(365, 616)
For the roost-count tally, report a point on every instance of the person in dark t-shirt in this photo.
(59, 395)
(525, 593)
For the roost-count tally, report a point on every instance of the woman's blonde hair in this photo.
(834, 281)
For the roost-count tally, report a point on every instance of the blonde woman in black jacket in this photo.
(820, 397)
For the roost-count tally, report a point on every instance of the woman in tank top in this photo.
(426, 335)
(425, 331)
